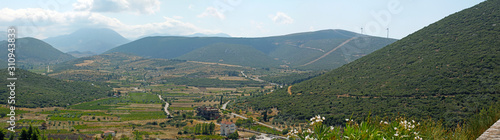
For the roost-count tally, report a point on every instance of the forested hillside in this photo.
(34, 90)
(447, 70)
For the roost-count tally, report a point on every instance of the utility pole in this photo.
(387, 32)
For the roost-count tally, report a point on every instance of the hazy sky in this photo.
(238, 18)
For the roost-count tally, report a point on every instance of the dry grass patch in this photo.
(85, 63)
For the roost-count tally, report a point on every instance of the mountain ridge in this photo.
(290, 50)
(96, 40)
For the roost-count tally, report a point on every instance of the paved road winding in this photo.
(327, 53)
(166, 106)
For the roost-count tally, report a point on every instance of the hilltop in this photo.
(96, 40)
(294, 50)
(448, 70)
(34, 52)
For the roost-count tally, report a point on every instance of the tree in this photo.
(264, 117)
(35, 135)
(212, 128)
(233, 136)
(253, 137)
(109, 137)
(221, 99)
(137, 135)
(24, 135)
(12, 136)
(2, 134)
(124, 137)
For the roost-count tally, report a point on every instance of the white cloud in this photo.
(211, 11)
(177, 17)
(281, 18)
(43, 23)
(140, 6)
(83, 5)
(259, 25)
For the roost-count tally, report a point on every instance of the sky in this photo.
(238, 18)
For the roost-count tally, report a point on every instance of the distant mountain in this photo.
(96, 40)
(33, 51)
(209, 35)
(448, 70)
(3, 35)
(324, 49)
(191, 35)
(42, 91)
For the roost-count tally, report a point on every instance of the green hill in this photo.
(231, 54)
(33, 51)
(34, 90)
(294, 50)
(448, 70)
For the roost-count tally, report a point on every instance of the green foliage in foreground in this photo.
(398, 128)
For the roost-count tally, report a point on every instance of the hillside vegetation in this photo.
(294, 50)
(34, 90)
(448, 70)
(31, 51)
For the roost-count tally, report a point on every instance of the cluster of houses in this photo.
(211, 113)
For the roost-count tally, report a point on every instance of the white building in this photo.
(227, 128)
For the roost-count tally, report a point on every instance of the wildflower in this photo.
(386, 123)
(396, 134)
(331, 128)
(395, 128)
(346, 120)
(309, 131)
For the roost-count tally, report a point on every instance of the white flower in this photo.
(323, 118)
(396, 134)
(331, 128)
(386, 123)
(346, 120)
(395, 128)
